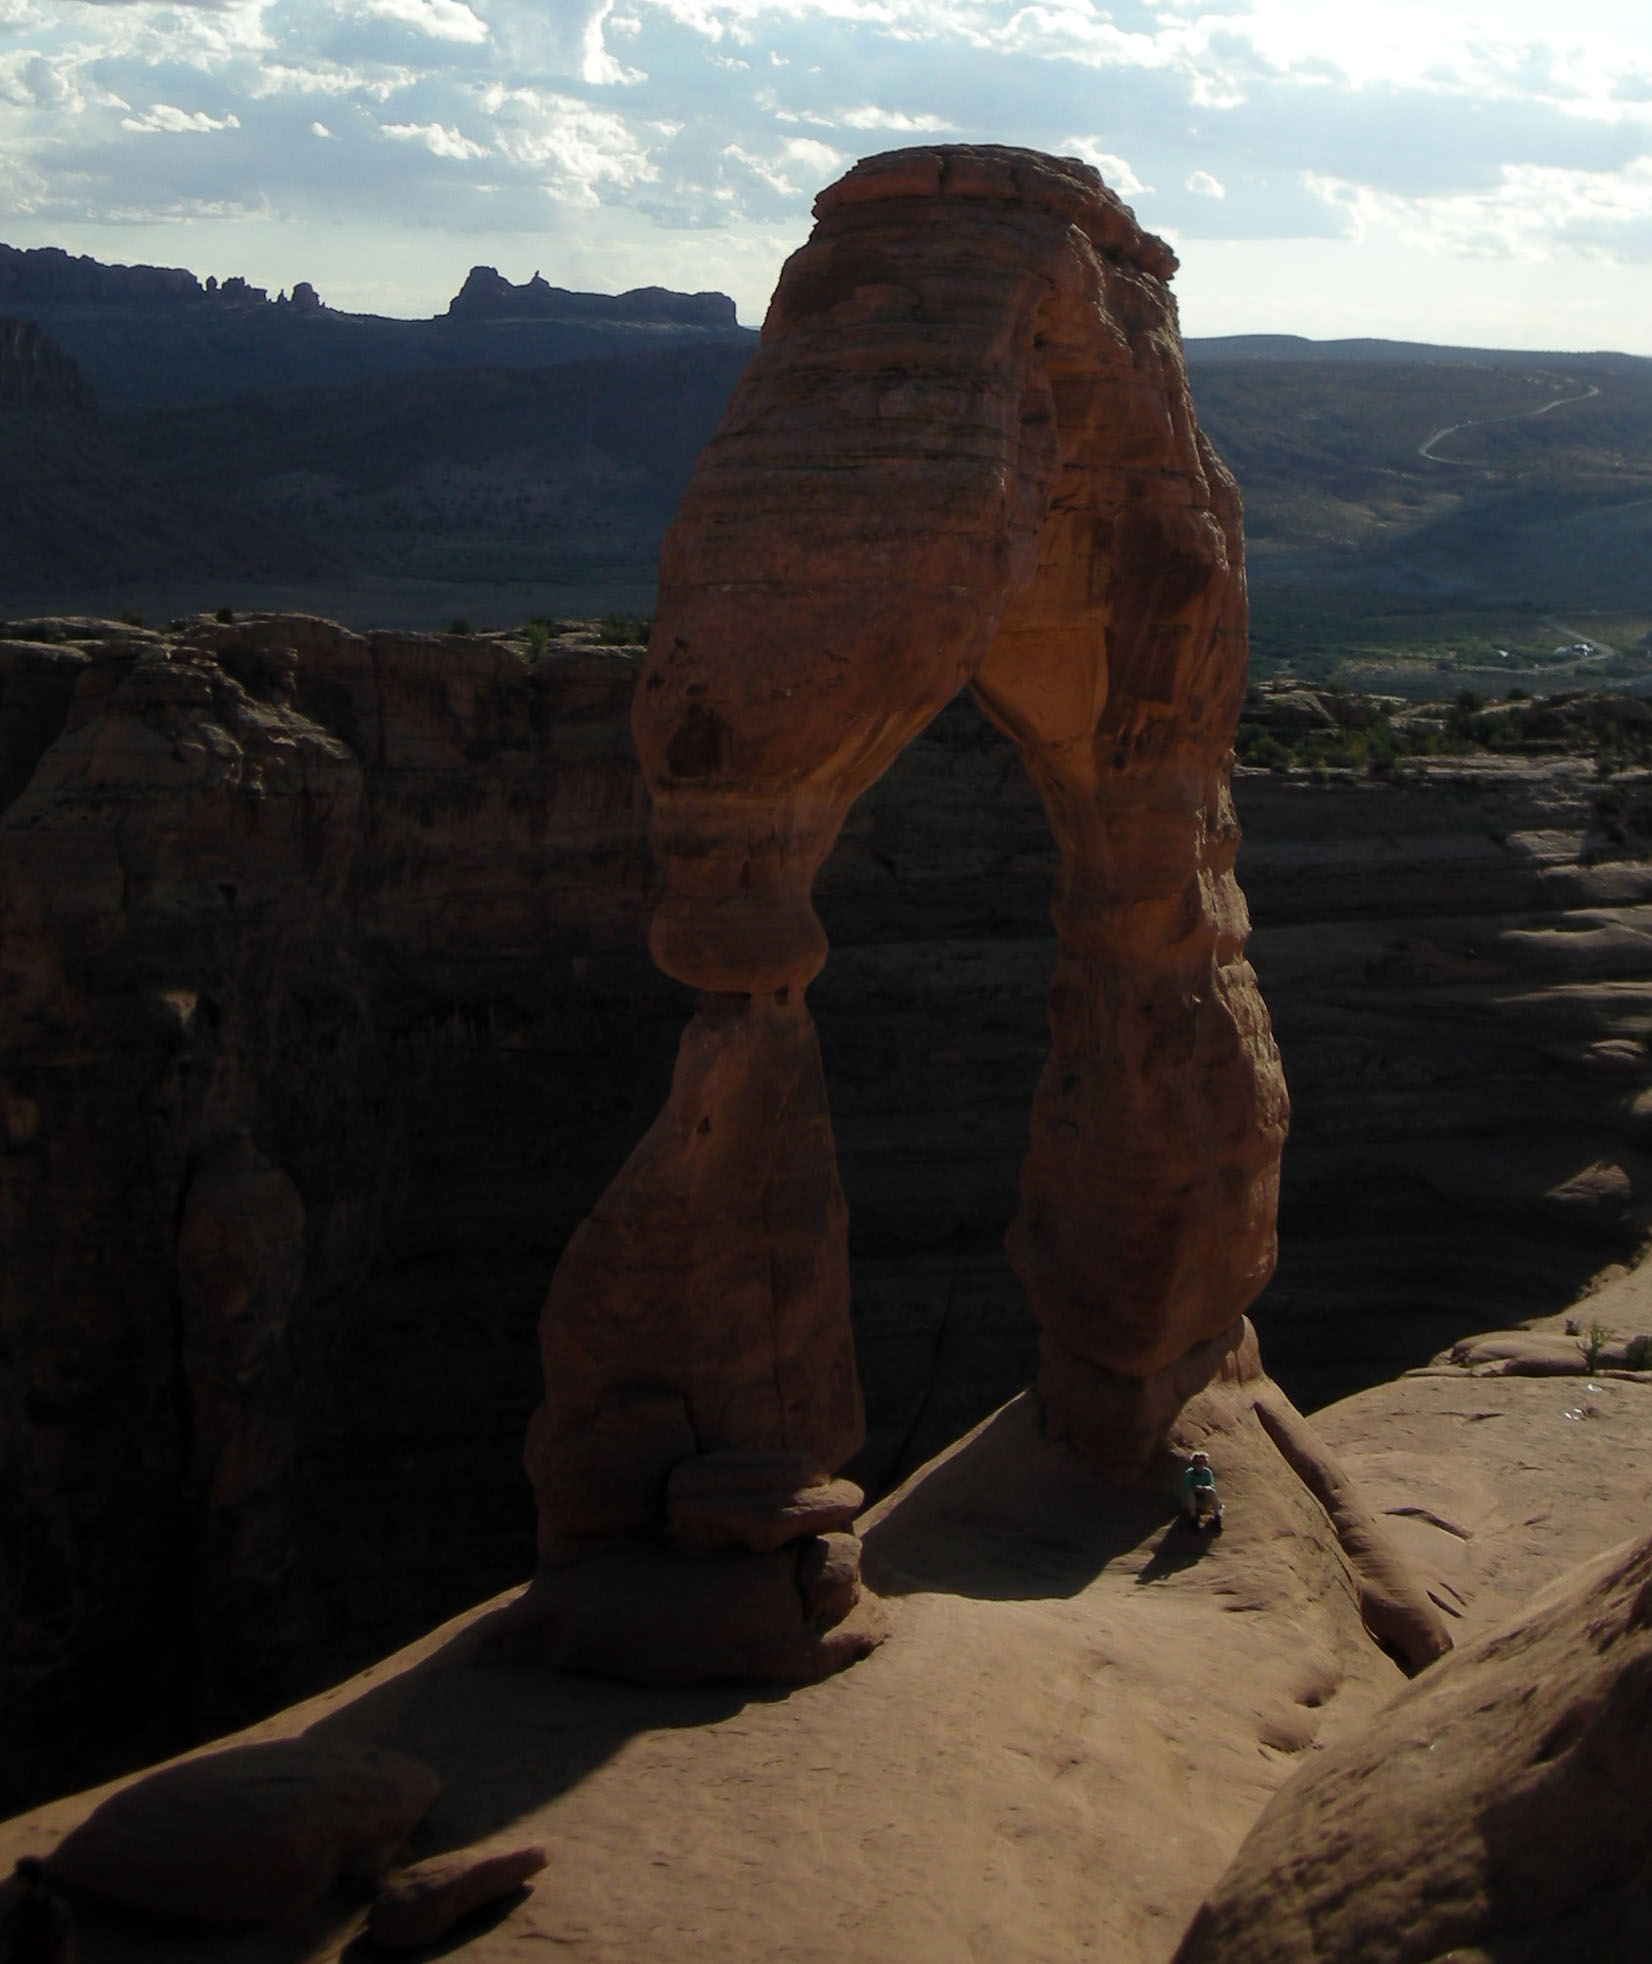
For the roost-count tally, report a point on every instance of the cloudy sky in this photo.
(1413, 168)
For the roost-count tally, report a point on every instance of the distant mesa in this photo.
(48, 274)
(488, 295)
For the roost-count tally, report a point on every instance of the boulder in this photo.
(246, 1836)
(420, 1904)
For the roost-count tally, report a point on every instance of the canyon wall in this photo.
(325, 1017)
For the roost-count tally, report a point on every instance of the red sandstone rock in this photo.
(828, 1573)
(420, 1904)
(758, 1500)
(715, 1267)
(246, 1836)
(657, 1616)
(1392, 1601)
(1501, 1806)
(283, 908)
(965, 454)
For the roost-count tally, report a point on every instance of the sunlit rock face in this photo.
(964, 456)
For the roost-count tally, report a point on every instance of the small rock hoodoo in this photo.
(964, 455)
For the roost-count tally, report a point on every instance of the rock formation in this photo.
(488, 295)
(248, 1835)
(1497, 1808)
(421, 1903)
(964, 455)
(35, 373)
(247, 875)
(450, 1068)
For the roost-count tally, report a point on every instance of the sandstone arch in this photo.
(964, 455)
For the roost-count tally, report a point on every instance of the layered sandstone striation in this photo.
(964, 455)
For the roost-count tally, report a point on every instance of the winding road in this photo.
(1482, 422)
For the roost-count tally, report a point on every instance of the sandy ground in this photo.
(1079, 1712)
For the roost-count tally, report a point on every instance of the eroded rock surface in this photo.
(964, 454)
(1496, 1808)
(1455, 961)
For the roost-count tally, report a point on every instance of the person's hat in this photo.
(1200, 1455)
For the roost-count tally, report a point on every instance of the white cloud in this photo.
(573, 149)
(597, 65)
(321, 129)
(377, 84)
(1527, 214)
(62, 84)
(442, 20)
(165, 120)
(1115, 171)
(698, 131)
(795, 169)
(870, 118)
(438, 138)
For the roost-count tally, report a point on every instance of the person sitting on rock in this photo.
(38, 1929)
(1198, 1491)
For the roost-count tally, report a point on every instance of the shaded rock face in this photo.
(450, 1076)
(35, 373)
(1461, 983)
(249, 1835)
(269, 894)
(964, 454)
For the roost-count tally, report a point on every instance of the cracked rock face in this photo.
(964, 456)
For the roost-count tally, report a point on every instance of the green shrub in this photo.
(1256, 746)
(1637, 1353)
(458, 625)
(623, 630)
(1593, 1342)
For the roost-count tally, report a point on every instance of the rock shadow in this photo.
(1007, 1515)
(505, 1739)
(1179, 1547)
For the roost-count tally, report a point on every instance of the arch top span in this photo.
(969, 385)
(963, 455)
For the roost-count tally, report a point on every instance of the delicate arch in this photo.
(963, 455)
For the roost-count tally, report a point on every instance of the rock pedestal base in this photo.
(655, 1614)
(753, 1572)
(1119, 1424)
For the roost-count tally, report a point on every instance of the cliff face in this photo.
(325, 1017)
(36, 374)
(318, 964)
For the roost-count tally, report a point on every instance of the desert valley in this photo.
(372, 882)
